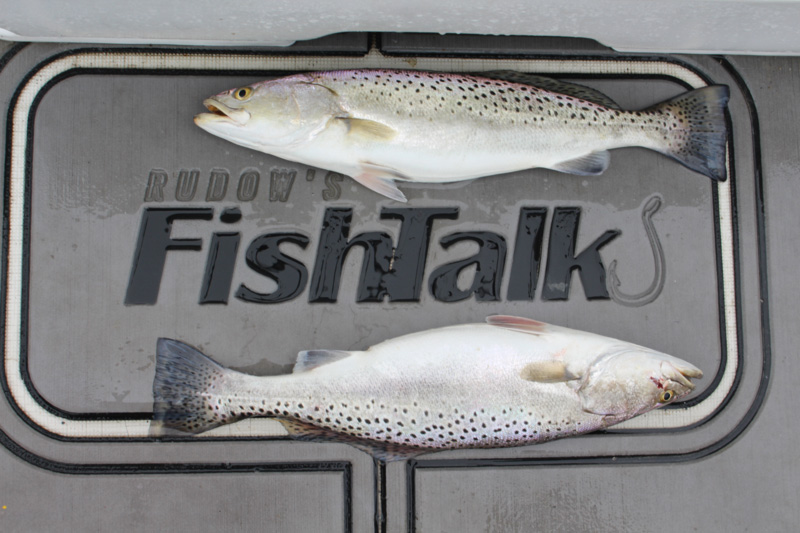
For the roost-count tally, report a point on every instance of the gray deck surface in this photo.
(97, 138)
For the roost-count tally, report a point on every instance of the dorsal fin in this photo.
(549, 84)
(311, 359)
(524, 325)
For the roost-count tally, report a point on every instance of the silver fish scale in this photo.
(510, 382)
(378, 126)
(399, 421)
(391, 96)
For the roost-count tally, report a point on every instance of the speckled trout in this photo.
(379, 126)
(510, 382)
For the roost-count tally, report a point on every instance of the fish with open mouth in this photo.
(509, 382)
(382, 126)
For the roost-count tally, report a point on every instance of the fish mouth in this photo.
(685, 372)
(690, 371)
(219, 112)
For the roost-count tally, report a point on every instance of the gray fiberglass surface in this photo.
(103, 160)
(91, 206)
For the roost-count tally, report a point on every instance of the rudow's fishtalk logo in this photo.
(396, 270)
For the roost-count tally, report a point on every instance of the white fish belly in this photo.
(430, 152)
(453, 127)
(454, 388)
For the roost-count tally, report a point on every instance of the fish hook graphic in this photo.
(654, 290)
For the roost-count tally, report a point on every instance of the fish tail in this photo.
(695, 130)
(185, 382)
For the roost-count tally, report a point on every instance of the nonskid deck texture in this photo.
(126, 223)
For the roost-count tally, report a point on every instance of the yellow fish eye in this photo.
(666, 396)
(243, 93)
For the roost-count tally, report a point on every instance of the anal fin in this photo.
(311, 359)
(381, 180)
(383, 451)
(302, 431)
(591, 164)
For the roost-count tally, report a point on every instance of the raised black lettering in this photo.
(219, 268)
(561, 260)
(151, 250)
(264, 256)
(489, 263)
(404, 282)
(527, 253)
(231, 215)
(331, 253)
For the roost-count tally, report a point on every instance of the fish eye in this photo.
(243, 93)
(666, 396)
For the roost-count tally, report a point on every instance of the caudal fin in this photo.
(185, 380)
(695, 130)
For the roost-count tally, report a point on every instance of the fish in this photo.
(511, 381)
(384, 126)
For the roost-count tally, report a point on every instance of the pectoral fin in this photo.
(368, 130)
(547, 372)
